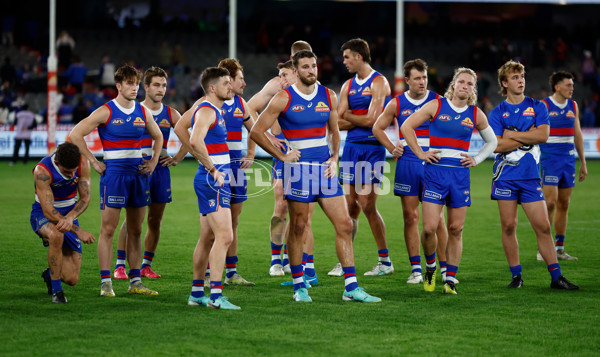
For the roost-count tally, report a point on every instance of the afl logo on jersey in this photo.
(467, 122)
(406, 112)
(117, 121)
(238, 113)
(221, 122)
(505, 114)
(570, 114)
(298, 108)
(553, 114)
(352, 92)
(445, 117)
(321, 107)
(529, 112)
(164, 123)
(366, 91)
(139, 122)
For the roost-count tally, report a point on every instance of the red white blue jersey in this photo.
(450, 131)
(521, 163)
(359, 99)
(121, 138)
(216, 139)
(163, 119)
(562, 128)
(64, 189)
(234, 112)
(405, 107)
(304, 123)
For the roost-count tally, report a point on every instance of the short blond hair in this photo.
(472, 100)
(504, 70)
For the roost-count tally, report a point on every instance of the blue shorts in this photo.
(160, 185)
(409, 178)
(38, 220)
(524, 191)
(124, 191)
(210, 196)
(447, 185)
(558, 171)
(277, 171)
(237, 185)
(307, 183)
(362, 163)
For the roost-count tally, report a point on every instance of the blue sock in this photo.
(197, 288)
(516, 270)
(231, 266)
(384, 257)
(350, 278)
(216, 289)
(554, 270)
(451, 273)
(105, 276)
(121, 258)
(56, 285)
(430, 262)
(304, 258)
(443, 267)
(298, 276)
(276, 253)
(148, 256)
(309, 267)
(286, 260)
(415, 264)
(134, 275)
(560, 242)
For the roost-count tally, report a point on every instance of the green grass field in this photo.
(484, 319)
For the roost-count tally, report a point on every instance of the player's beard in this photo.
(307, 81)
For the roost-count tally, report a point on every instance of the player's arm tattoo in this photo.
(43, 177)
(79, 206)
(75, 229)
(85, 187)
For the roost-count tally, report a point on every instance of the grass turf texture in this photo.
(485, 318)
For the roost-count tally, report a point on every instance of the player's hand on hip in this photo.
(100, 167)
(247, 161)
(147, 167)
(278, 143)
(430, 156)
(292, 156)
(331, 170)
(167, 161)
(398, 151)
(468, 160)
(219, 178)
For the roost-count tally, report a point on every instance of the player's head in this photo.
(300, 46)
(236, 72)
(415, 75)
(463, 86)
(355, 52)
(216, 81)
(287, 74)
(305, 63)
(511, 78)
(127, 79)
(561, 82)
(155, 83)
(67, 158)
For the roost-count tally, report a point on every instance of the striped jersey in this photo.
(234, 112)
(359, 99)
(121, 138)
(405, 107)
(216, 139)
(562, 128)
(450, 131)
(521, 163)
(163, 119)
(64, 189)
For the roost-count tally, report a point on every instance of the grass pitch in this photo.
(485, 318)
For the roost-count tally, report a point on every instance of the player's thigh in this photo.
(220, 222)
(538, 215)
(335, 209)
(508, 213)
(551, 193)
(564, 196)
(50, 232)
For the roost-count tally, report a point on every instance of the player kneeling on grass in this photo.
(58, 179)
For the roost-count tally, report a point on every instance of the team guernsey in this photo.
(304, 126)
(121, 137)
(160, 180)
(557, 160)
(409, 168)
(64, 190)
(363, 155)
(277, 171)
(516, 174)
(233, 113)
(448, 181)
(211, 196)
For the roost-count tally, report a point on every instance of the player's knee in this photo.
(299, 227)
(551, 204)
(344, 227)
(411, 217)
(509, 228)
(55, 238)
(70, 280)
(563, 204)
(455, 229)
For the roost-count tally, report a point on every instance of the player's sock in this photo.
(415, 264)
(216, 289)
(304, 258)
(148, 256)
(516, 270)
(554, 270)
(207, 272)
(134, 276)
(443, 267)
(384, 257)
(197, 288)
(121, 258)
(276, 253)
(560, 242)
(350, 278)
(105, 276)
(297, 276)
(430, 262)
(286, 259)
(56, 285)
(309, 268)
(231, 266)
(451, 273)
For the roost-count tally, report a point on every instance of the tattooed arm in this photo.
(66, 224)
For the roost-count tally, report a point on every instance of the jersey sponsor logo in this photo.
(352, 92)
(444, 117)
(467, 122)
(553, 114)
(366, 91)
(225, 200)
(502, 192)
(298, 108)
(402, 187)
(139, 122)
(431, 194)
(117, 121)
(505, 114)
(164, 123)
(570, 114)
(321, 107)
(115, 200)
(238, 113)
(551, 179)
(299, 193)
(529, 112)
(344, 176)
(407, 112)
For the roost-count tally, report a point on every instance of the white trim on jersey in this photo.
(122, 154)
(307, 144)
(234, 145)
(420, 141)
(450, 153)
(60, 204)
(560, 139)
(150, 152)
(221, 159)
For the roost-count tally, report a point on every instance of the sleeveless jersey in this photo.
(521, 163)
(162, 117)
(450, 131)
(64, 189)
(233, 112)
(304, 123)
(562, 118)
(359, 99)
(405, 106)
(121, 138)
(215, 140)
